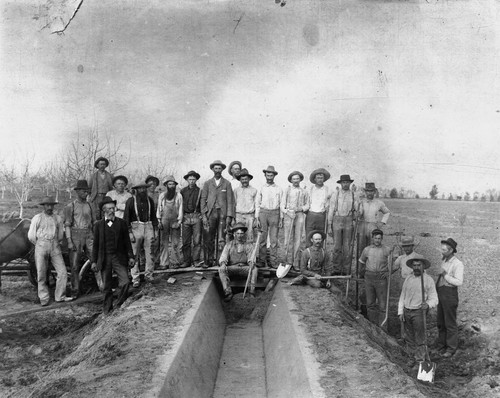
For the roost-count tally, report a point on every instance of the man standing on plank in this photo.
(269, 219)
(119, 194)
(244, 196)
(191, 223)
(450, 278)
(319, 198)
(368, 215)
(294, 206)
(100, 183)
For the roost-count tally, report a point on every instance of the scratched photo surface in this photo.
(405, 94)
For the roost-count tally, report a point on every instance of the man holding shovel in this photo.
(293, 207)
(413, 307)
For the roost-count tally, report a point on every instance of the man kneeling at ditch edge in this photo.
(236, 260)
(315, 263)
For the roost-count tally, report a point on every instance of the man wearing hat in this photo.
(234, 171)
(407, 244)
(235, 260)
(170, 213)
(319, 198)
(315, 263)
(112, 252)
(368, 215)
(191, 223)
(293, 207)
(79, 220)
(269, 218)
(410, 304)
(217, 210)
(450, 278)
(244, 197)
(119, 194)
(374, 262)
(153, 183)
(140, 217)
(100, 183)
(341, 214)
(46, 233)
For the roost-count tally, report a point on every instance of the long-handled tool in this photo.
(388, 291)
(251, 260)
(357, 271)
(283, 267)
(426, 368)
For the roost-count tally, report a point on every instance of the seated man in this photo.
(236, 260)
(314, 263)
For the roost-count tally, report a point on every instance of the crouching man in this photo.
(236, 260)
(411, 308)
(315, 264)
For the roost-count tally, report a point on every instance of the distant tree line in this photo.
(491, 195)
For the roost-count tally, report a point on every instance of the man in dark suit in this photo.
(112, 251)
(217, 210)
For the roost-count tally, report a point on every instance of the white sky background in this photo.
(405, 94)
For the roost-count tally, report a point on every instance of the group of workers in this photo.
(239, 225)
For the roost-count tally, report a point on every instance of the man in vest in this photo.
(293, 207)
(112, 252)
(341, 213)
(141, 221)
(244, 196)
(153, 183)
(170, 213)
(100, 183)
(369, 210)
(319, 198)
(119, 194)
(236, 260)
(191, 223)
(79, 220)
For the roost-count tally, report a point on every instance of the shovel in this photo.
(426, 368)
(283, 268)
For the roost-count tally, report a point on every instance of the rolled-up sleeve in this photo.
(33, 227)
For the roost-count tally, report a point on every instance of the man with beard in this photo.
(294, 206)
(319, 198)
(46, 233)
(450, 278)
(217, 210)
(170, 213)
(244, 196)
(119, 194)
(79, 220)
(411, 308)
(112, 252)
(191, 224)
(269, 217)
(235, 260)
(100, 183)
(368, 215)
(142, 223)
(234, 171)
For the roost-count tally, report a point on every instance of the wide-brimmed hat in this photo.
(152, 178)
(237, 226)
(426, 262)
(170, 178)
(345, 177)
(295, 173)
(232, 164)
(407, 241)
(140, 185)
(217, 163)
(48, 200)
(99, 159)
(81, 185)
(270, 169)
(319, 171)
(244, 173)
(370, 186)
(123, 178)
(105, 201)
(311, 234)
(377, 231)
(450, 242)
(192, 173)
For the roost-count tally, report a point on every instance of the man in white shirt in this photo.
(244, 197)
(319, 198)
(234, 171)
(119, 194)
(450, 277)
(368, 215)
(269, 218)
(411, 308)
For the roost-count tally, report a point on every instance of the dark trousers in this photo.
(112, 263)
(376, 296)
(216, 224)
(83, 241)
(314, 222)
(415, 333)
(191, 232)
(447, 318)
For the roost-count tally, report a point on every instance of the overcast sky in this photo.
(405, 94)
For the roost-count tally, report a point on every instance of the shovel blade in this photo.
(426, 371)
